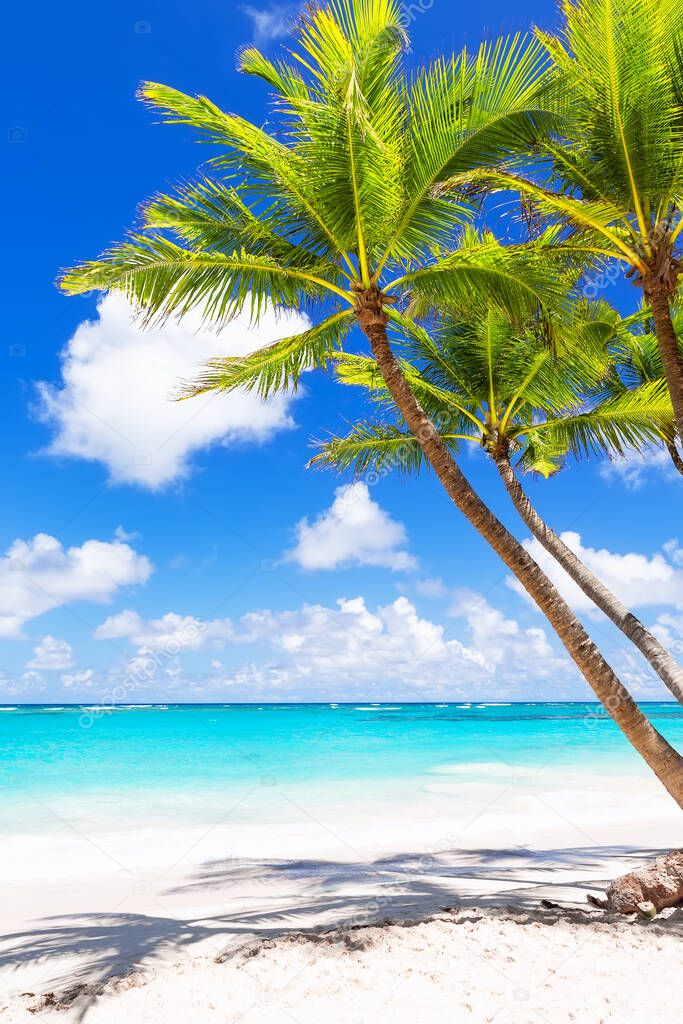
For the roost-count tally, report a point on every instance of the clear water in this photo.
(168, 761)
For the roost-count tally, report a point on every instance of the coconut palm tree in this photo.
(337, 209)
(617, 164)
(492, 382)
(637, 360)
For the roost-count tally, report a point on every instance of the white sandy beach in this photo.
(237, 922)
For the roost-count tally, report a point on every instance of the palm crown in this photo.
(619, 157)
(343, 198)
(491, 380)
(614, 171)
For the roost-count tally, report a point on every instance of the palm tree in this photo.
(617, 164)
(492, 382)
(338, 210)
(637, 360)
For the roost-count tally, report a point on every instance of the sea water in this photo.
(95, 768)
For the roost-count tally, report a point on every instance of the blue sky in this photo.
(161, 552)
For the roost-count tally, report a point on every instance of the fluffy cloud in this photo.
(669, 628)
(39, 574)
(27, 687)
(352, 642)
(76, 680)
(51, 654)
(638, 580)
(350, 648)
(355, 530)
(634, 469)
(114, 405)
(171, 632)
(502, 641)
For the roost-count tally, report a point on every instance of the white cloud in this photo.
(669, 629)
(73, 680)
(674, 551)
(352, 642)
(51, 654)
(274, 21)
(635, 468)
(114, 405)
(502, 641)
(349, 648)
(27, 686)
(355, 530)
(39, 574)
(637, 580)
(171, 632)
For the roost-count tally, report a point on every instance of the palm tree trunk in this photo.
(675, 456)
(665, 762)
(669, 350)
(666, 667)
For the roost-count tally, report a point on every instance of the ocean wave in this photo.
(9, 709)
(120, 707)
(474, 768)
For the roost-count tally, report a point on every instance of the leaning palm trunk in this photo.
(669, 350)
(675, 456)
(664, 761)
(666, 667)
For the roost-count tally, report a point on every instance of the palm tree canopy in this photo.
(342, 194)
(492, 381)
(616, 167)
(635, 352)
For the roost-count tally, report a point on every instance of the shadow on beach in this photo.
(328, 900)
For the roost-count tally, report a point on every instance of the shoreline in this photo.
(146, 853)
(154, 908)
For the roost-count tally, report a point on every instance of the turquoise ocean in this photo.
(169, 764)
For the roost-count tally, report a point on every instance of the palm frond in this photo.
(371, 447)
(164, 279)
(630, 421)
(276, 367)
(466, 112)
(616, 56)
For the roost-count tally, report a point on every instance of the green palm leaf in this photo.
(631, 421)
(371, 447)
(277, 367)
(163, 278)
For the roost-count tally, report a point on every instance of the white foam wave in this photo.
(473, 768)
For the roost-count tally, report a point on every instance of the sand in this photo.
(505, 966)
(279, 922)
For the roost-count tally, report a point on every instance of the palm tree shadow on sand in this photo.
(325, 900)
